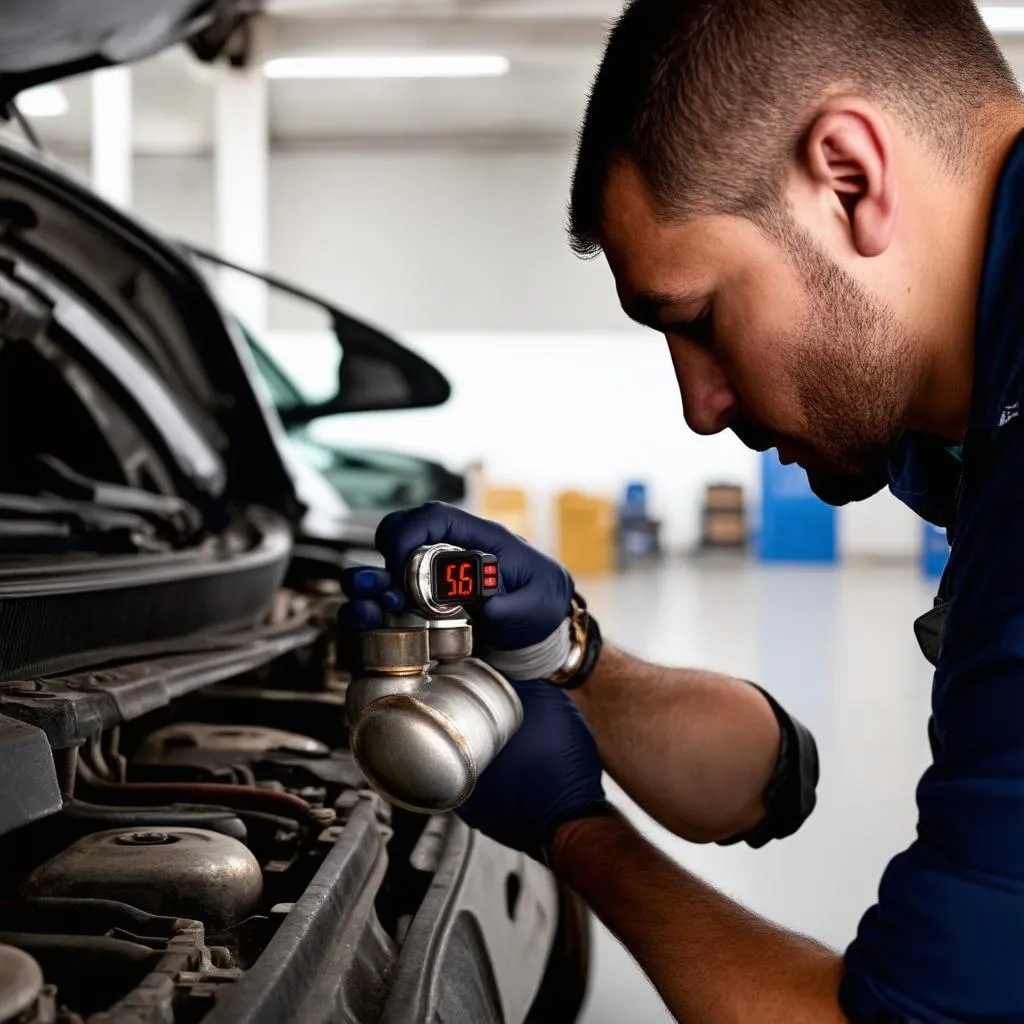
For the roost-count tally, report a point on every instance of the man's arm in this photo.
(712, 961)
(694, 749)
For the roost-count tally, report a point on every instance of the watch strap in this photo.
(586, 646)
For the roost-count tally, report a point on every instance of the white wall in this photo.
(882, 527)
(175, 194)
(172, 193)
(439, 241)
(420, 240)
(463, 253)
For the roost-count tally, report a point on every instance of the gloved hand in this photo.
(523, 630)
(548, 774)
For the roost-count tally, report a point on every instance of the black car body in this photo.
(183, 834)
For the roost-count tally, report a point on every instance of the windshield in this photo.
(296, 369)
(283, 394)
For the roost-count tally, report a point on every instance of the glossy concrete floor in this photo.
(836, 647)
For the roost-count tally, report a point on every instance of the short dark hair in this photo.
(709, 98)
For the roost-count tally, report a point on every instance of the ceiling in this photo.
(553, 46)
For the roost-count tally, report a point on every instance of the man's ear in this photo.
(848, 154)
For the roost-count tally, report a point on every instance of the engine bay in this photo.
(217, 856)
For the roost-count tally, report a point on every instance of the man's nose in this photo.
(709, 402)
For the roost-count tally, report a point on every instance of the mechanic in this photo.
(820, 204)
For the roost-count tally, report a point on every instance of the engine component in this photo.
(423, 735)
(450, 640)
(164, 744)
(21, 983)
(107, 958)
(329, 960)
(80, 818)
(318, 715)
(394, 653)
(237, 797)
(422, 739)
(230, 753)
(180, 872)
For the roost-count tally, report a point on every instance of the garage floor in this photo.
(837, 648)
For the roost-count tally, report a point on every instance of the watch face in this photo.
(458, 577)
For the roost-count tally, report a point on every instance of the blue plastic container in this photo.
(638, 534)
(796, 526)
(634, 502)
(934, 551)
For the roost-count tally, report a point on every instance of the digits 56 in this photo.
(460, 585)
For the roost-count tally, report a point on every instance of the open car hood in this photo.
(43, 40)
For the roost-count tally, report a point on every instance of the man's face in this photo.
(768, 336)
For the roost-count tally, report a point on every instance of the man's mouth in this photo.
(758, 439)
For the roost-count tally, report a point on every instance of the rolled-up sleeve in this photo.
(945, 942)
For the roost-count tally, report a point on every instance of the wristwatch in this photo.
(585, 643)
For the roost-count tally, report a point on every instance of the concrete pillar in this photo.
(112, 135)
(241, 157)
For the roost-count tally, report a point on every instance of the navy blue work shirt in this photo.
(945, 942)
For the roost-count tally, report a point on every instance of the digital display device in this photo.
(457, 577)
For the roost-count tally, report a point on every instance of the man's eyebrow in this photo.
(646, 307)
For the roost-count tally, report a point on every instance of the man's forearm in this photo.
(711, 960)
(695, 749)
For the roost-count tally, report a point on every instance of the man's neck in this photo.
(954, 270)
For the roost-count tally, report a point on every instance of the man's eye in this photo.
(700, 330)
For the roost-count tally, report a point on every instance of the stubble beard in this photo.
(853, 373)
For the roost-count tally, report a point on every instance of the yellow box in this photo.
(508, 506)
(586, 533)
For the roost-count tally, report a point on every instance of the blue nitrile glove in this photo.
(548, 774)
(523, 630)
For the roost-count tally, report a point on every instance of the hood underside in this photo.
(44, 40)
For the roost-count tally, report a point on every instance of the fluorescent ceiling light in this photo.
(43, 101)
(412, 65)
(1003, 19)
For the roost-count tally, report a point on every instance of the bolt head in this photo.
(144, 839)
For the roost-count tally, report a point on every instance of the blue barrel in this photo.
(796, 525)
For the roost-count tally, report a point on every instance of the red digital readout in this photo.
(460, 579)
